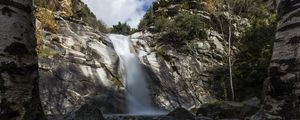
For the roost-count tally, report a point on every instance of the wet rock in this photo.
(86, 112)
(181, 114)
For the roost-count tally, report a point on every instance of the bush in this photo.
(77, 10)
(212, 5)
(47, 19)
(147, 20)
(255, 55)
(184, 28)
(121, 28)
(250, 65)
(87, 16)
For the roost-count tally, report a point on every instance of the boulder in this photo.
(86, 112)
(181, 114)
(229, 110)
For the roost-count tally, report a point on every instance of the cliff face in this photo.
(77, 65)
(183, 47)
(190, 42)
(186, 67)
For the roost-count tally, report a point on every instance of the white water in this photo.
(137, 95)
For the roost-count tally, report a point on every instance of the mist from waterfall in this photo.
(138, 97)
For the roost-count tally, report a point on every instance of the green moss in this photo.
(116, 82)
(47, 52)
(160, 52)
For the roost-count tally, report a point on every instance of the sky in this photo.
(113, 11)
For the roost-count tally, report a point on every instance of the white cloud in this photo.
(113, 11)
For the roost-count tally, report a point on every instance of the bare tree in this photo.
(282, 88)
(19, 94)
(229, 4)
(229, 61)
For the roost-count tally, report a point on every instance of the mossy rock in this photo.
(47, 52)
(47, 19)
(38, 34)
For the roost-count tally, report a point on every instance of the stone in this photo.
(181, 114)
(86, 112)
(229, 110)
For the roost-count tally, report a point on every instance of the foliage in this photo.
(47, 19)
(87, 16)
(252, 62)
(147, 20)
(212, 5)
(83, 13)
(121, 28)
(185, 27)
(255, 47)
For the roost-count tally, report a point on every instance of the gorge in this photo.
(187, 60)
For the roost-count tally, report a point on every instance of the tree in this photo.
(121, 28)
(19, 94)
(229, 53)
(282, 87)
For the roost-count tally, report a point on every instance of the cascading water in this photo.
(137, 93)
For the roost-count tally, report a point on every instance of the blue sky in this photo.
(113, 11)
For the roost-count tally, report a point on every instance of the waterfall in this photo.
(137, 93)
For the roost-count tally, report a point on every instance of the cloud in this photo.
(113, 11)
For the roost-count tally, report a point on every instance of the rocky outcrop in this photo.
(186, 75)
(138, 117)
(230, 110)
(181, 114)
(86, 112)
(77, 65)
(281, 100)
(19, 92)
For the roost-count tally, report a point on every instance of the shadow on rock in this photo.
(86, 112)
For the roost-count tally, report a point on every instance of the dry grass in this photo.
(47, 19)
(212, 5)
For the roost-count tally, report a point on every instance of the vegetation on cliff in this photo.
(181, 23)
(74, 9)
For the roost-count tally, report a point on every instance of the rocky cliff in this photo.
(186, 46)
(76, 62)
(185, 68)
(183, 46)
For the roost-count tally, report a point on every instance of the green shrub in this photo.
(147, 20)
(87, 16)
(184, 28)
(250, 65)
(121, 28)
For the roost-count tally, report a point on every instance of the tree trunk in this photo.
(19, 94)
(282, 88)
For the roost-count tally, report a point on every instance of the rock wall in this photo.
(187, 75)
(79, 65)
(19, 93)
